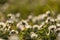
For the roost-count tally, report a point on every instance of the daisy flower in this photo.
(42, 24)
(32, 35)
(9, 22)
(11, 15)
(58, 36)
(58, 33)
(2, 25)
(23, 22)
(13, 32)
(13, 37)
(30, 16)
(47, 12)
(58, 25)
(57, 30)
(41, 17)
(7, 28)
(34, 19)
(20, 26)
(58, 17)
(18, 14)
(28, 26)
(36, 26)
(2, 39)
(51, 27)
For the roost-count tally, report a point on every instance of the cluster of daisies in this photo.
(41, 27)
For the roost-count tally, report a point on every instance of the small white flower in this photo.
(52, 20)
(30, 16)
(48, 34)
(58, 17)
(46, 21)
(58, 24)
(11, 15)
(42, 24)
(7, 28)
(28, 26)
(41, 17)
(58, 36)
(13, 37)
(47, 12)
(36, 26)
(49, 19)
(56, 20)
(24, 22)
(20, 26)
(18, 14)
(13, 31)
(32, 35)
(9, 21)
(27, 20)
(1, 39)
(58, 29)
(2, 25)
(34, 19)
(52, 26)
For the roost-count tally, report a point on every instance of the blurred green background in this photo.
(26, 7)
